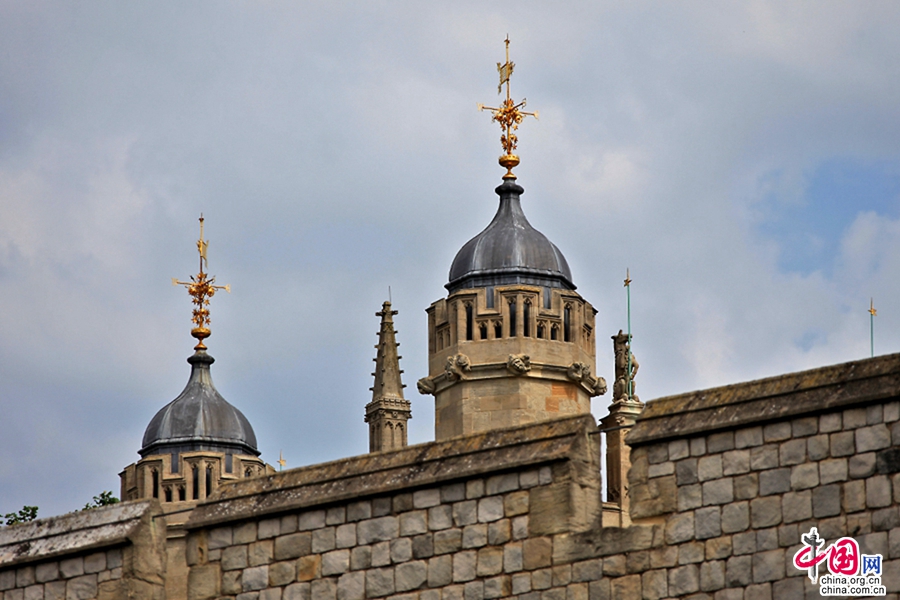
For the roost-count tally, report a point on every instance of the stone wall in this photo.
(723, 484)
(105, 554)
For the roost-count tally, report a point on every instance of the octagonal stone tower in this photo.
(513, 342)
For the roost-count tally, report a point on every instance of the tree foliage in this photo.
(104, 499)
(28, 513)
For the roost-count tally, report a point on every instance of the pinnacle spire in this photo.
(388, 411)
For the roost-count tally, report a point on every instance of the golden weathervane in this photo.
(509, 115)
(201, 287)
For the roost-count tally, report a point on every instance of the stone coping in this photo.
(379, 473)
(72, 533)
(774, 398)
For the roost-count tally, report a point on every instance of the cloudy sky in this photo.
(741, 158)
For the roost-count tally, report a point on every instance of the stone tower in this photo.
(388, 411)
(513, 342)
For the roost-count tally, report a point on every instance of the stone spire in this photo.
(388, 411)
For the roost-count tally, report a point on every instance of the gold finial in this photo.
(627, 277)
(281, 461)
(201, 287)
(509, 115)
(872, 310)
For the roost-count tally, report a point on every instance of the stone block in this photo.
(313, 519)
(746, 486)
(854, 417)
(689, 496)
(360, 558)
(426, 498)
(690, 553)
(357, 511)
(830, 423)
(804, 426)
(796, 506)
(73, 567)
(520, 527)
(474, 489)
(323, 540)
(377, 530)
(288, 524)
(718, 491)
(680, 528)
(748, 437)
(776, 432)
(499, 532)
(739, 571)
(521, 583)
(765, 511)
(766, 539)
(874, 414)
(758, 591)
(447, 540)
(473, 590)
(401, 550)
(792, 452)
(805, 476)
(260, 553)
(94, 563)
(885, 519)
(516, 503)
(679, 449)
(379, 582)
(736, 462)
(768, 566)
(707, 523)
(735, 517)
(875, 437)
(48, 571)
(114, 558)
(537, 553)
(891, 411)
(416, 521)
(453, 492)
(862, 465)
(336, 515)
(410, 576)
(282, 573)
(878, 491)
(720, 442)
(626, 588)
(614, 566)
(423, 546)
(512, 558)
(774, 481)
(832, 470)
(686, 471)
(465, 513)
(234, 557)
(440, 571)
(203, 583)
(490, 561)
(440, 517)
(587, 570)
(254, 578)
(743, 543)
(719, 547)
(500, 484)
(309, 567)
(788, 535)
(833, 528)
(497, 587)
(698, 446)
(345, 536)
(381, 554)
(351, 586)
(842, 444)
(826, 501)
(323, 589)
(452, 592)
(684, 580)
(709, 467)
(464, 566)
(474, 536)
(268, 528)
(712, 576)
(385, 505)
(764, 457)
(654, 584)
(818, 447)
(336, 562)
(657, 453)
(490, 509)
(662, 557)
(542, 579)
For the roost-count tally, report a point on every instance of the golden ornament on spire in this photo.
(201, 287)
(509, 115)
(872, 310)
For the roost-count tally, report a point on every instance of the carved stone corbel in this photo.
(581, 373)
(426, 385)
(518, 364)
(457, 366)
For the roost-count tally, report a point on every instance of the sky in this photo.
(742, 159)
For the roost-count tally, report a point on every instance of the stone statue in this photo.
(457, 366)
(622, 349)
(518, 364)
(581, 373)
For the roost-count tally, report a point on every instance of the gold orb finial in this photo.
(508, 115)
(201, 288)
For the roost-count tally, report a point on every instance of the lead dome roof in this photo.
(199, 419)
(509, 251)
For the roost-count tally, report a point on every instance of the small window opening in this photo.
(489, 296)
(540, 330)
(181, 494)
(229, 463)
(469, 323)
(527, 319)
(498, 330)
(547, 297)
(248, 473)
(208, 480)
(567, 324)
(554, 333)
(168, 494)
(174, 462)
(155, 483)
(482, 331)
(512, 318)
(196, 486)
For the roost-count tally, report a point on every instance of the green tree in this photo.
(104, 499)
(28, 513)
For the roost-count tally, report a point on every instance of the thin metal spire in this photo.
(628, 296)
(872, 314)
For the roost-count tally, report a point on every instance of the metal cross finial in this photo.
(201, 287)
(508, 115)
(872, 314)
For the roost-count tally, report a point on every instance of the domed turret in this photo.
(199, 419)
(509, 251)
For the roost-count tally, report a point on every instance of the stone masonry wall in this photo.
(104, 554)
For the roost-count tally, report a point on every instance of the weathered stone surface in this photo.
(282, 573)
(490, 561)
(439, 517)
(765, 512)
(448, 540)
(440, 571)
(537, 553)
(323, 589)
(465, 513)
(293, 545)
(862, 465)
(680, 528)
(350, 586)
(764, 457)
(735, 517)
(475, 536)
(377, 530)
(718, 491)
(410, 576)
(768, 566)
(336, 562)
(826, 501)
(684, 580)
(464, 564)
(774, 481)
(796, 506)
(379, 582)
(707, 523)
